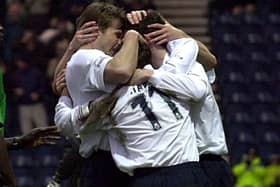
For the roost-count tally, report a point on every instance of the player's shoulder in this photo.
(83, 57)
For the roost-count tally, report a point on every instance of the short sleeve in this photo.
(96, 73)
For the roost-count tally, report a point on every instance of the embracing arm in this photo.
(87, 33)
(67, 118)
(191, 86)
(167, 33)
(120, 69)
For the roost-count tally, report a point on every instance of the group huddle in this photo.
(138, 90)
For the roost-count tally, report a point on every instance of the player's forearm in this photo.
(205, 57)
(5, 165)
(62, 64)
(183, 86)
(67, 118)
(123, 65)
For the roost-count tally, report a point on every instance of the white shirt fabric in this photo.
(170, 138)
(84, 79)
(66, 117)
(135, 142)
(205, 113)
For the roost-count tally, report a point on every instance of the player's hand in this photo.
(134, 17)
(86, 34)
(100, 110)
(140, 76)
(60, 82)
(39, 136)
(131, 34)
(163, 34)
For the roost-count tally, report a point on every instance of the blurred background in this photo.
(243, 34)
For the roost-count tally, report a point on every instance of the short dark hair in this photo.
(151, 18)
(103, 13)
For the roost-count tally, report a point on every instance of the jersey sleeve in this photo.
(95, 76)
(67, 118)
(185, 86)
(211, 75)
(182, 55)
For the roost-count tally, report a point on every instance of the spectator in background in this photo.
(250, 172)
(273, 172)
(28, 88)
(236, 7)
(38, 12)
(32, 49)
(60, 47)
(58, 25)
(14, 27)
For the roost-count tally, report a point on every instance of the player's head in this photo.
(111, 23)
(151, 18)
(158, 51)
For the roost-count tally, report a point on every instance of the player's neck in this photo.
(90, 46)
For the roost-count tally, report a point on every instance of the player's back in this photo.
(208, 125)
(155, 130)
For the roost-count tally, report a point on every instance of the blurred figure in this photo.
(250, 172)
(28, 88)
(273, 172)
(36, 137)
(60, 47)
(58, 25)
(14, 26)
(236, 7)
(31, 48)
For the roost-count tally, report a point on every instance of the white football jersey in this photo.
(205, 113)
(84, 79)
(154, 129)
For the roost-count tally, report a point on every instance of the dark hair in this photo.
(103, 13)
(151, 18)
(144, 54)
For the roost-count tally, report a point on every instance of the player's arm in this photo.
(183, 54)
(5, 166)
(87, 33)
(67, 118)
(167, 32)
(120, 69)
(184, 86)
(36, 137)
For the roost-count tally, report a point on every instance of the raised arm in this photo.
(190, 86)
(167, 32)
(122, 66)
(88, 33)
